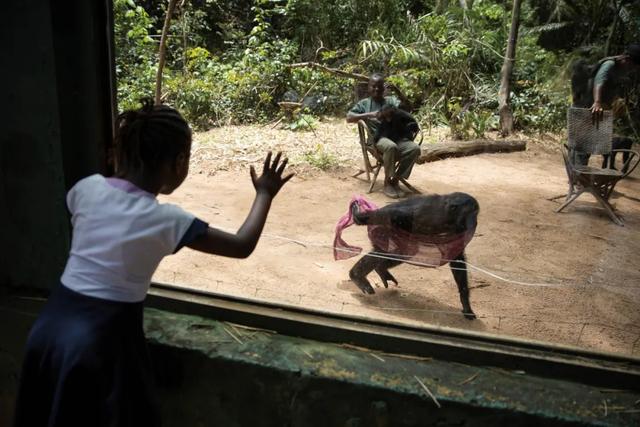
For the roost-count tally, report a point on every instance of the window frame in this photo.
(454, 345)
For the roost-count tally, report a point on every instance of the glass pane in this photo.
(485, 205)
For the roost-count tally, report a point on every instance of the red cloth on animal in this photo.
(413, 248)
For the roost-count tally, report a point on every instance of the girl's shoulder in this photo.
(90, 181)
(86, 186)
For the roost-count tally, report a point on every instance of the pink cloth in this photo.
(427, 250)
(341, 249)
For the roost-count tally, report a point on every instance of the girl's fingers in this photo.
(282, 166)
(276, 160)
(287, 178)
(267, 163)
(252, 171)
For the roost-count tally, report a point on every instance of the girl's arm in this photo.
(242, 244)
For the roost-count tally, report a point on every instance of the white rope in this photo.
(418, 263)
(383, 255)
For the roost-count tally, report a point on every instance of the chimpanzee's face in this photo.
(462, 211)
(386, 115)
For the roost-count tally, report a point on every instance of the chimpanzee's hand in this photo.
(271, 180)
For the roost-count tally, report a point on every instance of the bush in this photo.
(230, 65)
(321, 158)
(135, 54)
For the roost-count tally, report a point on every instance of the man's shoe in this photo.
(391, 191)
(399, 191)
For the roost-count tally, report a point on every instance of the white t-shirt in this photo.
(120, 235)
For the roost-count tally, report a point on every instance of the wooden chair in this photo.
(586, 138)
(370, 154)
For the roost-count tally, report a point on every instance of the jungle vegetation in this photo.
(234, 61)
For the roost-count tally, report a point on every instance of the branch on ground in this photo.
(435, 152)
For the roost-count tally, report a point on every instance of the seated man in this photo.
(405, 151)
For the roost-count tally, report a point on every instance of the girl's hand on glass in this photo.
(271, 180)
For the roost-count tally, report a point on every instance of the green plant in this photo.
(320, 158)
(302, 122)
(135, 53)
(228, 61)
(481, 122)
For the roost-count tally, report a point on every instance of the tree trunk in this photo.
(506, 115)
(163, 47)
(441, 6)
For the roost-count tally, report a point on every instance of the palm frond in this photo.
(552, 26)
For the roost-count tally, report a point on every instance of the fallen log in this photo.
(433, 152)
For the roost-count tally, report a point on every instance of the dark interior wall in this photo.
(56, 111)
(82, 30)
(33, 225)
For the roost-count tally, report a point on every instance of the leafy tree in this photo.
(135, 53)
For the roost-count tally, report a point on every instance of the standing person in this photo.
(606, 80)
(86, 361)
(597, 87)
(405, 151)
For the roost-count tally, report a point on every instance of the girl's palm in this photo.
(271, 180)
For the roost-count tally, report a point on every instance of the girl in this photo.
(86, 361)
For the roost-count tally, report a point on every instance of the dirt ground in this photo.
(570, 278)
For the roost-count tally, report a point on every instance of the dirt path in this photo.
(519, 237)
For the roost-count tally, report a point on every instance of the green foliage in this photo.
(196, 98)
(440, 57)
(240, 88)
(482, 121)
(337, 92)
(135, 53)
(321, 158)
(338, 23)
(228, 60)
(541, 91)
(302, 122)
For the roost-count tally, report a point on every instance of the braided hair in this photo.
(147, 137)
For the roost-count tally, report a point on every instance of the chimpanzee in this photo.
(618, 143)
(444, 222)
(395, 124)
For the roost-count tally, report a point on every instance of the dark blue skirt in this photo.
(86, 364)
